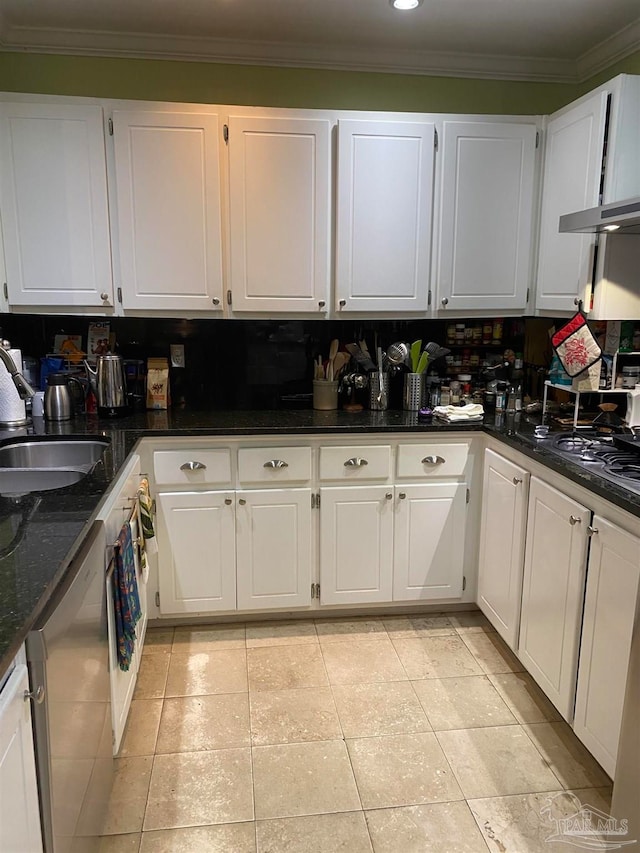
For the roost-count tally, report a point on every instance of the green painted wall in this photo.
(279, 87)
(630, 65)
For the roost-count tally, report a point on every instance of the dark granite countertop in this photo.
(40, 533)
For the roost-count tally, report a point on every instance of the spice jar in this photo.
(459, 333)
(487, 332)
(445, 396)
(455, 392)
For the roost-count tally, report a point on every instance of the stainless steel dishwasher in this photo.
(68, 654)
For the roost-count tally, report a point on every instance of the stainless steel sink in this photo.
(42, 464)
(48, 453)
(21, 481)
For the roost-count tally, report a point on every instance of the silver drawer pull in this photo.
(276, 463)
(193, 466)
(242, 502)
(228, 501)
(574, 519)
(355, 462)
(517, 481)
(37, 696)
(432, 460)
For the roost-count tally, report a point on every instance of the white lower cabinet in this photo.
(505, 491)
(356, 544)
(197, 552)
(273, 548)
(19, 811)
(609, 613)
(428, 541)
(553, 590)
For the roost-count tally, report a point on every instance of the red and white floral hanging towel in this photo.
(576, 346)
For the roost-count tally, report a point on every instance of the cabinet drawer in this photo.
(432, 460)
(364, 462)
(274, 464)
(192, 467)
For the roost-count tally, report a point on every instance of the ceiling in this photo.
(518, 39)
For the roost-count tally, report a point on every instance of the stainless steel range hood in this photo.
(622, 217)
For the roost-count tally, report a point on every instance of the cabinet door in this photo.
(428, 541)
(356, 544)
(553, 590)
(571, 181)
(609, 612)
(274, 548)
(19, 811)
(279, 197)
(197, 554)
(384, 213)
(505, 492)
(55, 214)
(169, 227)
(486, 215)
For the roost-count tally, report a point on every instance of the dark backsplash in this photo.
(235, 364)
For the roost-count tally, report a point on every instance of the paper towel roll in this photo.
(12, 408)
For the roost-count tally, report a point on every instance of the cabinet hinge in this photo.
(313, 590)
(228, 297)
(313, 500)
(318, 591)
(225, 133)
(464, 582)
(429, 298)
(6, 290)
(468, 495)
(527, 298)
(119, 292)
(435, 139)
(158, 599)
(537, 138)
(110, 126)
(318, 501)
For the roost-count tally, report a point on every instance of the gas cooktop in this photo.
(599, 455)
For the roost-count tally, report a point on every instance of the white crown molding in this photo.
(613, 49)
(434, 63)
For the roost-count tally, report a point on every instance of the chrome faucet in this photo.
(24, 389)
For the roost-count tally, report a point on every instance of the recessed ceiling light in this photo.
(406, 5)
(611, 227)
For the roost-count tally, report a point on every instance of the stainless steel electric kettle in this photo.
(109, 384)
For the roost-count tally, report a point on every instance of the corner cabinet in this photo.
(571, 181)
(167, 175)
(19, 809)
(55, 213)
(505, 493)
(384, 213)
(279, 209)
(486, 216)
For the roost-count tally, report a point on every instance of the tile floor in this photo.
(391, 735)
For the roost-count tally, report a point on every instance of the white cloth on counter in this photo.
(454, 414)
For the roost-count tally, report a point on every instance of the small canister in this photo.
(413, 392)
(630, 376)
(325, 395)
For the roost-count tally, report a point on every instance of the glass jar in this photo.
(451, 333)
(459, 333)
(445, 396)
(456, 389)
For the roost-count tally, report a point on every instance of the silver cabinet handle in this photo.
(321, 304)
(445, 301)
(517, 480)
(215, 300)
(193, 466)
(37, 696)
(577, 300)
(228, 501)
(592, 530)
(276, 463)
(242, 502)
(355, 462)
(388, 496)
(402, 495)
(104, 297)
(342, 303)
(574, 519)
(432, 460)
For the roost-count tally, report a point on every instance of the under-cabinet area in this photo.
(244, 526)
(558, 577)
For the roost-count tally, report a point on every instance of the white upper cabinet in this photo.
(571, 182)
(168, 209)
(384, 213)
(53, 196)
(279, 199)
(486, 216)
